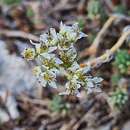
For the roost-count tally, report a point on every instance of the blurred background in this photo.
(25, 105)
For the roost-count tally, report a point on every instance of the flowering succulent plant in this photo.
(55, 54)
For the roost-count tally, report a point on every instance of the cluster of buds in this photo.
(55, 54)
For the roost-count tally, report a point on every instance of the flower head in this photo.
(48, 78)
(68, 56)
(29, 53)
(50, 61)
(72, 33)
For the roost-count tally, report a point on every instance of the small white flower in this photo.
(71, 53)
(68, 57)
(49, 39)
(68, 35)
(78, 74)
(73, 86)
(50, 61)
(48, 78)
(63, 44)
(29, 53)
(72, 33)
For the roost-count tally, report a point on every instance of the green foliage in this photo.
(58, 105)
(120, 9)
(81, 23)
(12, 2)
(30, 12)
(95, 10)
(115, 79)
(122, 61)
(118, 98)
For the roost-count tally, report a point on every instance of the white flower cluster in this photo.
(56, 54)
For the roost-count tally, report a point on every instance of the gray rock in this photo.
(15, 74)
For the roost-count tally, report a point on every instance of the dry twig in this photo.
(19, 34)
(105, 56)
(92, 50)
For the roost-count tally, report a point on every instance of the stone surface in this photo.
(15, 74)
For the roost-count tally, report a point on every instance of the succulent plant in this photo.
(58, 105)
(56, 55)
(122, 61)
(118, 98)
(115, 78)
(95, 9)
(120, 9)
